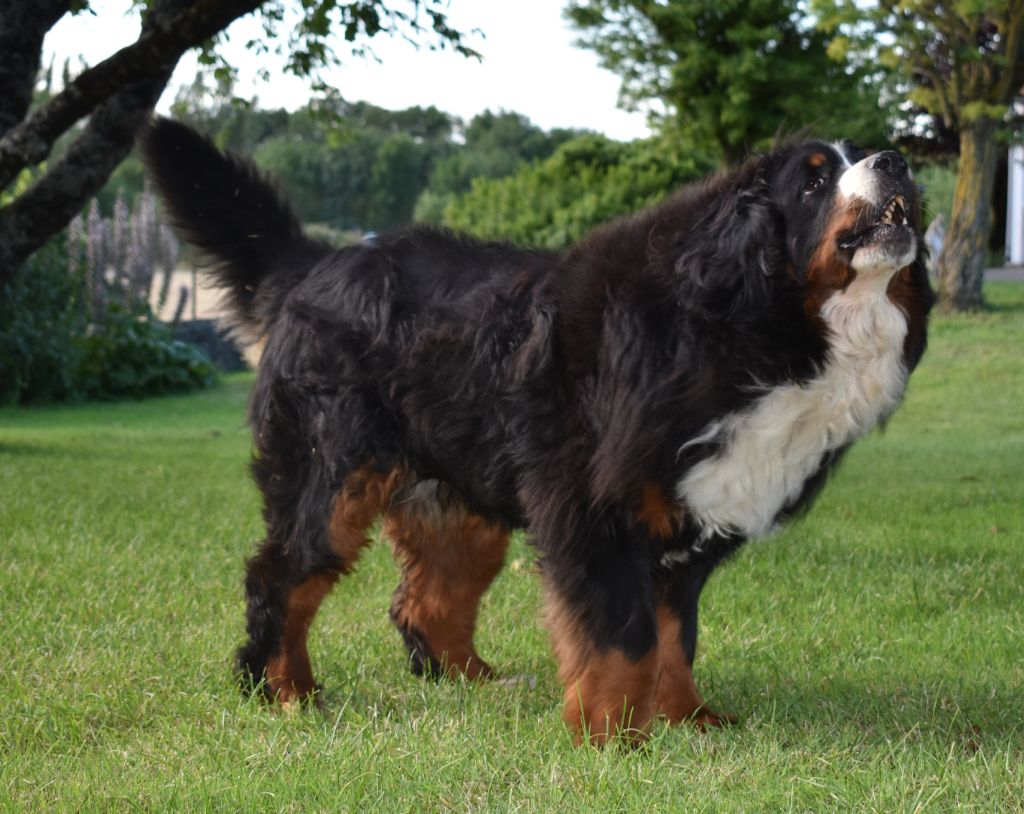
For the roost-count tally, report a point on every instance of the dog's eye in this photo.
(814, 185)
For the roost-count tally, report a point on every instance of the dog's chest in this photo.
(767, 452)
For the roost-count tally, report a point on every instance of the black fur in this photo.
(544, 389)
(223, 206)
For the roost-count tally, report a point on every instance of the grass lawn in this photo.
(873, 651)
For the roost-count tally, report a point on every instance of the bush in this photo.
(42, 318)
(53, 347)
(586, 182)
(135, 356)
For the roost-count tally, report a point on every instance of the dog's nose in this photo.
(890, 162)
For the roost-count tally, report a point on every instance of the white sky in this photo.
(530, 66)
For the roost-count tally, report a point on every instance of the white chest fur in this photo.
(768, 450)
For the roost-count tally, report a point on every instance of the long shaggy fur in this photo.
(229, 211)
(641, 403)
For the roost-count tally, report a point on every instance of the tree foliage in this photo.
(962, 63)
(355, 166)
(115, 96)
(587, 181)
(494, 145)
(727, 74)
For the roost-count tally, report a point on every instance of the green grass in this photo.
(873, 651)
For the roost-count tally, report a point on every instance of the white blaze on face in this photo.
(864, 188)
(861, 182)
(843, 156)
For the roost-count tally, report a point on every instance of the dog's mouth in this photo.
(892, 221)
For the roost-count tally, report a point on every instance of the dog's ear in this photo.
(734, 254)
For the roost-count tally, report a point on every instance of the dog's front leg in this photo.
(604, 634)
(676, 695)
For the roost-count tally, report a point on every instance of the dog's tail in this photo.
(240, 222)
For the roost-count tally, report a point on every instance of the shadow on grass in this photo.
(1004, 298)
(900, 715)
(1005, 307)
(885, 714)
(23, 449)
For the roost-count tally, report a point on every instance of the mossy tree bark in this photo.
(117, 95)
(961, 263)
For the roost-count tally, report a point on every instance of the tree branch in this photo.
(1010, 82)
(948, 117)
(38, 214)
(43, 210)
(159, 47)
(22, 28)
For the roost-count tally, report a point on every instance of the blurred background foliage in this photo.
(351, 168)
(69, 331)
(718, 81)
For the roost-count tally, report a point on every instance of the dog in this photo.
(676, 383)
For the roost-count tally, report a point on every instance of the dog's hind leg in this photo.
(286, 581)
(448, 558)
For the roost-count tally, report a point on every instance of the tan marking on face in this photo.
(817, 160)
(828, 271)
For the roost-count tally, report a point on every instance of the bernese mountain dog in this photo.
(642, 403)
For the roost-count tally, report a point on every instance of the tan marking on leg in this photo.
(676, 694)
(448, 562)
(289, 674)
(611, 698)
(607, 695)
(363, 497)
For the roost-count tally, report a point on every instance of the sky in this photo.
(529, 65)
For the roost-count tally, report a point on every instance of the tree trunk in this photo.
(22, 28)
(961, 262)
(120, 109)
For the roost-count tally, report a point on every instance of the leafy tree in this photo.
(425, 125)
(584, 183)
(348, 175)
(962, 62)
(494, 145)
(117, 94)
(727, 74)
(396, 178)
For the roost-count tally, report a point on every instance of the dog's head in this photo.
(817, 215)
(845, 213)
